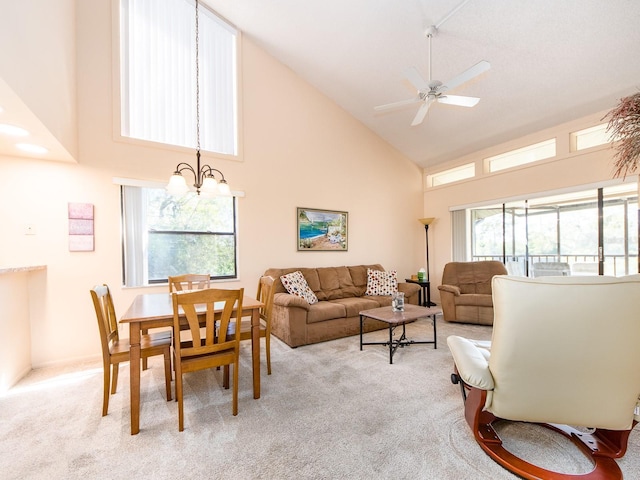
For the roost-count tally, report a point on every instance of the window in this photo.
(168, 235)
(591, 230)
(522, 156)
(590, 137)
(158, 88)
(452, 175)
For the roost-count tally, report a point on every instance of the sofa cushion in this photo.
(352, 280)
(335, 282)
(322, 311)
(381, 283)
(355, 305)
(359, 276)
(474, 299)
(296, 284)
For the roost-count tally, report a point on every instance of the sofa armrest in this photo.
(288, 300)
(472, 362)
(409, 289)
(450, 288)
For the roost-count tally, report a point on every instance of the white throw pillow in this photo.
(296, 284)
(381, 283)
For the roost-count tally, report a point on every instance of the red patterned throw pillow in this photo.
(296, 284)
(381, 283)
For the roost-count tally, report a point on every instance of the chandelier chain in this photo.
(205, 179)
(197, 80)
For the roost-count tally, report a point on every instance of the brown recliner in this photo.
(465, 292)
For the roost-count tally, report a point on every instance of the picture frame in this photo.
(81, 234)
(322, 230)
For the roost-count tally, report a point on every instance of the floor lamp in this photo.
(426, 222)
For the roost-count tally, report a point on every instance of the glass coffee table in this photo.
(410, 314)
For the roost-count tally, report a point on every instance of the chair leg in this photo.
(597, 447)
(180, 400)
(225, 377)
(267, 341)
(167, 372)
(114, 378)
(235, 386)
(144, 331)
(106, 387)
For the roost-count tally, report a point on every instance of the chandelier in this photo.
(205, 175)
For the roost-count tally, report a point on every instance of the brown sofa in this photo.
(340, 292)
(465, 292)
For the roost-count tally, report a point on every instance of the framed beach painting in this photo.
(322, 230)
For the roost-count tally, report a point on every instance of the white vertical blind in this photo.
(158, 75)
(136, 239)
(459, 236)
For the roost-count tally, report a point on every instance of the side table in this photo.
(424, 296)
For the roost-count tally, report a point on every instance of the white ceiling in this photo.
(14, 112)
(551, 61)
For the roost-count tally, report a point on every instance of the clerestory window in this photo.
(158, 72)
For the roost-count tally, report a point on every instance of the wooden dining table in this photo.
(154, 310)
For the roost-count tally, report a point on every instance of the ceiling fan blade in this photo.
(401, 103)
(467, 75)
(416, 79)
(459, 100)
(422, 112)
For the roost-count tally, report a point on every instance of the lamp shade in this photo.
(426, 221)
(223, 188)
(177, 185)
(209, 186)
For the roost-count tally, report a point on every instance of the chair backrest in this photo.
(106, 315)
(514, 267)
(472, 277)
(265, 294)
(565, 350)
(212, 338)
(551, 269)
(189, 281)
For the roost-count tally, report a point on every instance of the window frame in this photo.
(127, 283)
(602, 200)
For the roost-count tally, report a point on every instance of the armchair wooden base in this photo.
(601, 446)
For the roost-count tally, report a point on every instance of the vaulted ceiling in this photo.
(551, 61)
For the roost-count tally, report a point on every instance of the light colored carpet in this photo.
(328, 411)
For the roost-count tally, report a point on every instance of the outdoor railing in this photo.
(615, 265)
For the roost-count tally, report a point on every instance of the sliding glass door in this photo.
(592, 232)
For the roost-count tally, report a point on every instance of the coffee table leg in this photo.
(360, 332)
(435, 336)
(390, 344)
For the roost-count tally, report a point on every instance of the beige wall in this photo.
(300, 149)
(568, 171)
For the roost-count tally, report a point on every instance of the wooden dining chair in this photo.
(116, 350)
(265, 295)
(205, 347)
(179, 283)
(189, 281)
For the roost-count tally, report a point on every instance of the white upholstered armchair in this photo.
(564, 351)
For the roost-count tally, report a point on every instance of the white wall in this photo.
(300, 150)
(567, 171)
(37, 60)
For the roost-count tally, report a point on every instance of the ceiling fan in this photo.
(434, 90)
